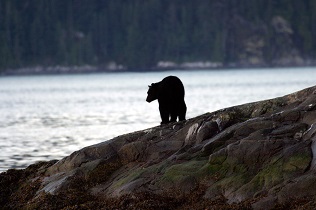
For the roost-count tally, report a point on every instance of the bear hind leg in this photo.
(181, 117)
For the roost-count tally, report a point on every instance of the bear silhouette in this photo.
(170, 95)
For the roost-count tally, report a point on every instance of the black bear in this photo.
(170, 95)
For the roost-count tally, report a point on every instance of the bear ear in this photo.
(152, 85)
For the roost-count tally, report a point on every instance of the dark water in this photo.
(49, 117)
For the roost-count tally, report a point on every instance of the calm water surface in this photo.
(49, 117)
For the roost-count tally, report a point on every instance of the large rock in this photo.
(259, 155)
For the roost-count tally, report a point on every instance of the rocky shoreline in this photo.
(259, 155)
(161, 66)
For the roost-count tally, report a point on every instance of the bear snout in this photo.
(149, 99)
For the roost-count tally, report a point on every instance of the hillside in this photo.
(124, 35)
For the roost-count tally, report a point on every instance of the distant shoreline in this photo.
(86, 69)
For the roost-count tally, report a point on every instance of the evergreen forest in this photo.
(139, 33)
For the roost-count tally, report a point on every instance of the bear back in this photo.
(171, 89)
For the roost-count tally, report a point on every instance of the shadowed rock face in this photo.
(261, 152)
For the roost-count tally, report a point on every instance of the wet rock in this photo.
(289, 130)
(190, 138)
(265, 203)
(228, 117)
(206, 131)
(132, 151)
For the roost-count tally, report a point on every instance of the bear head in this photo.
(152, 93)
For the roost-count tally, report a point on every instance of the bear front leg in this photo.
(182, 111)
(164, 114)
(173, 117)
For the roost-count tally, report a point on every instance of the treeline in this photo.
(140, 33)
